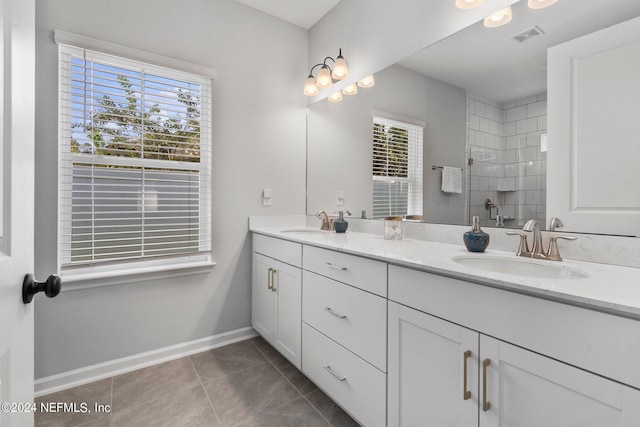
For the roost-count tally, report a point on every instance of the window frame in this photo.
(136, 269)
(415, 166)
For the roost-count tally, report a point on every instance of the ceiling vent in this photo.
(528, 34)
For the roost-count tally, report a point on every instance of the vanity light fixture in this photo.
(335, 97)
(326, 75)
(350, 90)
(540, 4)
(469, 4)
(366, 82)
(501, 17)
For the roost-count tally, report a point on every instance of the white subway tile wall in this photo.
(508, 166)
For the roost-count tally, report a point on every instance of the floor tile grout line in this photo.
(295, 388)
(286, 379)
(205, 393)
(163, 396)
(304, 396)
(179, 389)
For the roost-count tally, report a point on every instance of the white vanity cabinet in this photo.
(505, 384)
(276, 294)
(344, 331)
(431, 364)
(398, 346)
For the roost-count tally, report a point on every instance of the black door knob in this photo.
(30, 287)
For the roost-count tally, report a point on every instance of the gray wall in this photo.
(339, 142)
(258, 142)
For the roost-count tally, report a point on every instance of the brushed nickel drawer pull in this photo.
(273, 286)
(336, 267)
(330, 311)
(269, 279)
(466, 394)
(486, 405)
(332, 372)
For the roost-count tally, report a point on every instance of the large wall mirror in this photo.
(478, 98)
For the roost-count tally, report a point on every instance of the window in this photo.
(134, 164)
(397, 168)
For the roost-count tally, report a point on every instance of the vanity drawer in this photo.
(356, 385)
(354, 318)
(283, 250)
(362, 273)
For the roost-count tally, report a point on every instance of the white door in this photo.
(433, 371)
(592, 158)
(288, 311)
(17, 80)
(525, 389)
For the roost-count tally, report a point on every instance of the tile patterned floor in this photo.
(247, 384)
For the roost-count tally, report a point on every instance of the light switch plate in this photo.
(267, 193)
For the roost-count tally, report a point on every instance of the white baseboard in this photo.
(76, 377)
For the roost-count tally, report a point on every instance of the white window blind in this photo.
(397, 168)
(134, 161)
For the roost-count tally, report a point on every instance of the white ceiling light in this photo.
(540, 4)
(468, 4)
(499, 18)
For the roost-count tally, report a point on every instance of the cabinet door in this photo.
(427, 363)
(525, 389)
(287, 289)
(262, 316)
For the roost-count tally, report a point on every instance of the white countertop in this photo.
(607, 288)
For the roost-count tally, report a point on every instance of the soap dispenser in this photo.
(340, 225)
(475, 239)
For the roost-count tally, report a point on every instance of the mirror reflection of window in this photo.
(397, 168)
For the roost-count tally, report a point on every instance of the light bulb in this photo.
(540, 4)
(324, 77)
(468, 4)
(310, 88)
(499, 18)
(340, 69)
(350, 90)
(335, 97)
(367, 82)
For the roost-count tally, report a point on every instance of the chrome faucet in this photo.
(326, 223)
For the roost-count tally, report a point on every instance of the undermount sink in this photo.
(520, 267)
(303, 230)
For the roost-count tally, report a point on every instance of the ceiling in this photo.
(303, 13)
(490, 63)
